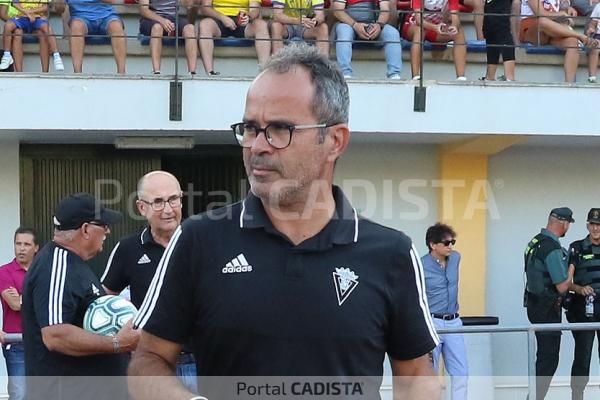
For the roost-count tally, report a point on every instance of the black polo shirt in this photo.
(58, 288)
(132, 263)
(256, 304)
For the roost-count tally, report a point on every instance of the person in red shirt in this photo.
(441, 24)
(12, 276)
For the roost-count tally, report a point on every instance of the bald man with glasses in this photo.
(134, 259)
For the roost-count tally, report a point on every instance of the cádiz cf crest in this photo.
(345, 281)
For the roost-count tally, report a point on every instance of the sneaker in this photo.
(461, 78)
(591, 79)
(416, 77)
(6, 61)
(155, 72)
(213, 73)
(347, 76)
(395, 77)
(192, 73)
(58, 63)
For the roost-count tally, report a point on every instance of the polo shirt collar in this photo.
(341, 229)
(147, 238)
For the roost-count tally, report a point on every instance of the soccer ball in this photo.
(107, 314)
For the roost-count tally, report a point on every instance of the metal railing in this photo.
(531, 340)
(329, 11)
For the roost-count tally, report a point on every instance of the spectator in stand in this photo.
(238, 18)
(31, 17)
(478, 7)
(362, 19)
(93, 17)
(593, 31)
(299, 19)
(441, 24)
(159, 19)
(12, 276)
(584, 7)
(497, 29)
(545, 22)
(7, 11)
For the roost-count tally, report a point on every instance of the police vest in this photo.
(539, 281)
(586, 258)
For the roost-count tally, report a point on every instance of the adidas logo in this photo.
(144, 259)
(238, 264)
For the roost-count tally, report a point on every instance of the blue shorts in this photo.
(295, 31)
(98, 26)
(27, 26)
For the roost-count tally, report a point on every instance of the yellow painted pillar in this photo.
(462, 205)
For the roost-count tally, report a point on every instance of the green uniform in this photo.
(546, 264)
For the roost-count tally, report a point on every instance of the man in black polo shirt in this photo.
(291, 282)
(134, 258)
(56, 293)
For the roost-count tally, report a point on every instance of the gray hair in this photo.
(65, 236)
(332, 100)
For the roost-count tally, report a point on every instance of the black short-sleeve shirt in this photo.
(132, 263)
(58, 288)
(256, 304)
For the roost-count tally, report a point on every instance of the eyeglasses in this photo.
(448, 242)
(159, 204)
(278, 135)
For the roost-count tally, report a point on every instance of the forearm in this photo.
(151, 377)
(210, 12)
(147, 13)
(415, 380)
(74, 341)
(280, 16)
(342, 16)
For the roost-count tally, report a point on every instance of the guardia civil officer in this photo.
(584, 257)
(548, 277)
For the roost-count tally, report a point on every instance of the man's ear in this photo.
(340, 136)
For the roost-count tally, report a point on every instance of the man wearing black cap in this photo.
(584, 257)
(547, 279)
(57, 291)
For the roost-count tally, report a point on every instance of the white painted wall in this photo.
(133, 104)
(10, 215)
(534, 181)
(391, 184)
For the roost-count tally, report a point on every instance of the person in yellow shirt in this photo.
(31, 17)
(299, 19)
(237, 18)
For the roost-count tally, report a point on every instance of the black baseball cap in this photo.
(562, 213)
(594, 215)
(79, 208)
